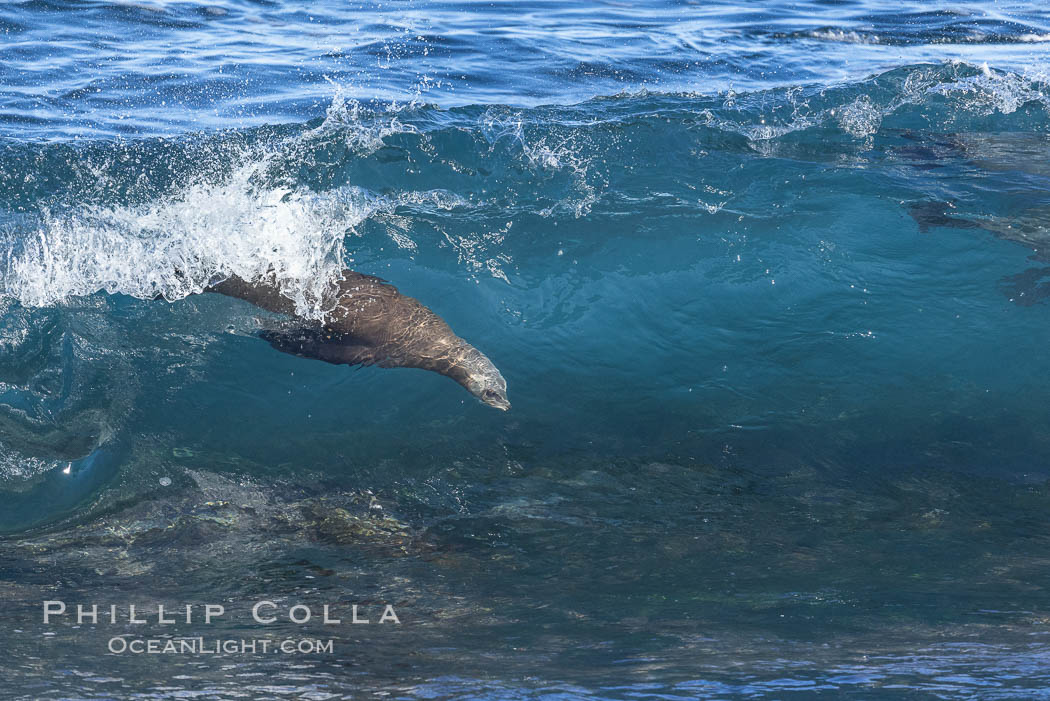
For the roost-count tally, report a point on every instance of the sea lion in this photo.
(1029, 227)
(1001, 152)
(371, 323)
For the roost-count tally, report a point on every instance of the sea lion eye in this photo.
(490, 394)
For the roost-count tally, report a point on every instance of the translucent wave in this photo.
(285, 200)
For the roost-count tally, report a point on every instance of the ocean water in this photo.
(769, 283)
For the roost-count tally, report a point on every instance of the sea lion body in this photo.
(371, 323)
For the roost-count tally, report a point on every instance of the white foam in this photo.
(247, 221)
(841, 35)
(176, 244)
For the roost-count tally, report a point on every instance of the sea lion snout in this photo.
(495, 398)
(482, 379)
(489, 387)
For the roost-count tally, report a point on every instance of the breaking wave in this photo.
(295, 200)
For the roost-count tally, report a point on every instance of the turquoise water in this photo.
(768, 285)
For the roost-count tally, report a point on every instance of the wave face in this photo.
(769, 287)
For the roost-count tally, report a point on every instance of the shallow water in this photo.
(768, 285)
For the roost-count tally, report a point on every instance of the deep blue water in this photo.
(769, 283)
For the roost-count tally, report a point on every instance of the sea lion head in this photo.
(481, 378)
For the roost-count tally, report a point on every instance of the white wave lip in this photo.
(178, 244)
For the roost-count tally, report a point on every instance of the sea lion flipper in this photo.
(319, 345)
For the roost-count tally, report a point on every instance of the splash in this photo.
(248, 219)
(242, 209)
(360, 129)
(860, 118)
(549, 151)
(177, 245)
